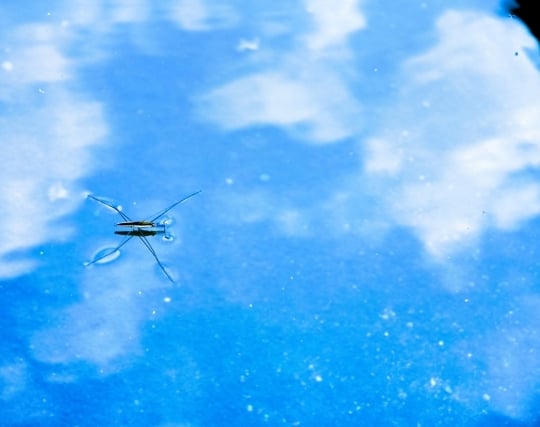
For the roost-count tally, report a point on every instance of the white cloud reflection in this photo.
(103, 329)
(320, 115)
(202, 15)
(333, 22)
(46, 131)
(301, 90)
(463, 135)
(451, 155)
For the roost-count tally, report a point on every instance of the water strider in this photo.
(141, 229)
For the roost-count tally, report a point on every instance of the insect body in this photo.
(141, 229)
(137, 224)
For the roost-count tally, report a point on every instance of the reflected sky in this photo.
(363, 247)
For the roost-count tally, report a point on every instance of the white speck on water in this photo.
(248, 45)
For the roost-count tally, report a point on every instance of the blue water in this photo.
(363, 251)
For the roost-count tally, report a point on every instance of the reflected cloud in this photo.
(129, 11)
(333, 22)
(91, 332)
(300, 90)
(505, 364)
(14, 378)
(455, 152)
(34, 56)
(46, 132)
(463, 167)
(104, 327)
(101, 15)
(255, 207)
(202, 15)
(285, 101)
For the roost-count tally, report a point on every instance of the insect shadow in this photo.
(141, 229)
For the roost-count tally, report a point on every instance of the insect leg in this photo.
(127, 239)
(164, 211)
(103, 202)
(149, 247)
